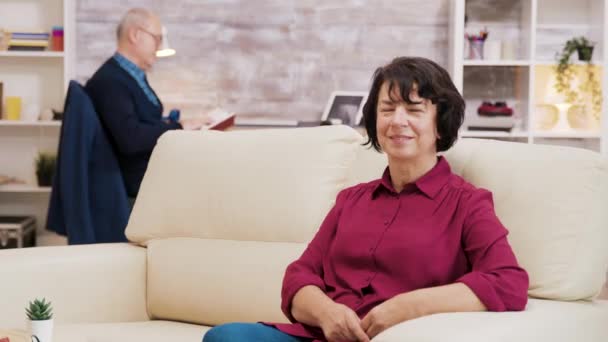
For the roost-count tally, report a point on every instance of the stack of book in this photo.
(29, 41)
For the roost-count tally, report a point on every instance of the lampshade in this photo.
(165, 50)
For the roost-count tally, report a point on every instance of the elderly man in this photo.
(129, 110)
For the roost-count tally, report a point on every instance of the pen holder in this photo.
(475, 49)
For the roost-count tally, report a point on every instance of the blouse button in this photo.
(386, 223)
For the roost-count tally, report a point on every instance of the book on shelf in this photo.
(28, 42)
(26, 48)
(30, 35)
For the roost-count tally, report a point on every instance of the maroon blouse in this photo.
(375, 244)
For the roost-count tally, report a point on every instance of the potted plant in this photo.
(566, 74)
(45, 168)
(40, 319)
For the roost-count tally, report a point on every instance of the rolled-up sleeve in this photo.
(308, 269)
(495, 277)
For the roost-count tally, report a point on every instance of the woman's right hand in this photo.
(340, 324)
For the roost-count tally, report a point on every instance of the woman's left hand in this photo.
(393, 311)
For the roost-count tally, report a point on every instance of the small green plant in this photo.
(39, 310)
(45, 168)
(566, 73)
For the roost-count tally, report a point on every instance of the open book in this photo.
(220, 120)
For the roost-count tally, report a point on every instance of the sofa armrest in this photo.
(87, 283)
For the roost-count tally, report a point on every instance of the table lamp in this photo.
(165, 50)
(553, 97)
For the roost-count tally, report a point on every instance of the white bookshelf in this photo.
(536, 31)
(24, 188)
(32, 54)
(568, 135)
(40, 78)
(21, 123)
(497, 62)
(493, 134)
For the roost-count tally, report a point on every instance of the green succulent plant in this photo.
(45, 168)
(566, 73)
(39, 310)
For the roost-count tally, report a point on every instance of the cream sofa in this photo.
(220, 215)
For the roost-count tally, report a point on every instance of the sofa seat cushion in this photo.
(210, 282)
(149, 331)
(543, 320)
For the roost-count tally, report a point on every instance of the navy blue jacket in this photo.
(132, 121)
(89, 201)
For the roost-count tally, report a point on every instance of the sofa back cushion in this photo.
(552, 200)
(224, 213)
(262, 185)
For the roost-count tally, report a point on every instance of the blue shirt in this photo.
(138, 74)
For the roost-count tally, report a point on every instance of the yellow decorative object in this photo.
(547, 116)
(13, 108)
(580, 117)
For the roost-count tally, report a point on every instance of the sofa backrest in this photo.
(553, 200)
(224, 213)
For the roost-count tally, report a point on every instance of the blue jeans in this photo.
(248, 332)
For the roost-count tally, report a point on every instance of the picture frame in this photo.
(346, 106)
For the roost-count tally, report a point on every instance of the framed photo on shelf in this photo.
(345, 106)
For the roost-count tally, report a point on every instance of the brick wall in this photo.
(265, 58)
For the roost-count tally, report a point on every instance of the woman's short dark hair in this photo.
(433, 83)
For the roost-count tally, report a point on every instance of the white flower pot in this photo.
(43, 330)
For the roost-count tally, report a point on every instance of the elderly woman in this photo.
(420, 240)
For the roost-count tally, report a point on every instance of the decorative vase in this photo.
(44, 179)
(41, 330)
(581, 118)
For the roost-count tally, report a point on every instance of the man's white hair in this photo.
(133, 17)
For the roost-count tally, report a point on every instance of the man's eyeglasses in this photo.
(157, 37)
